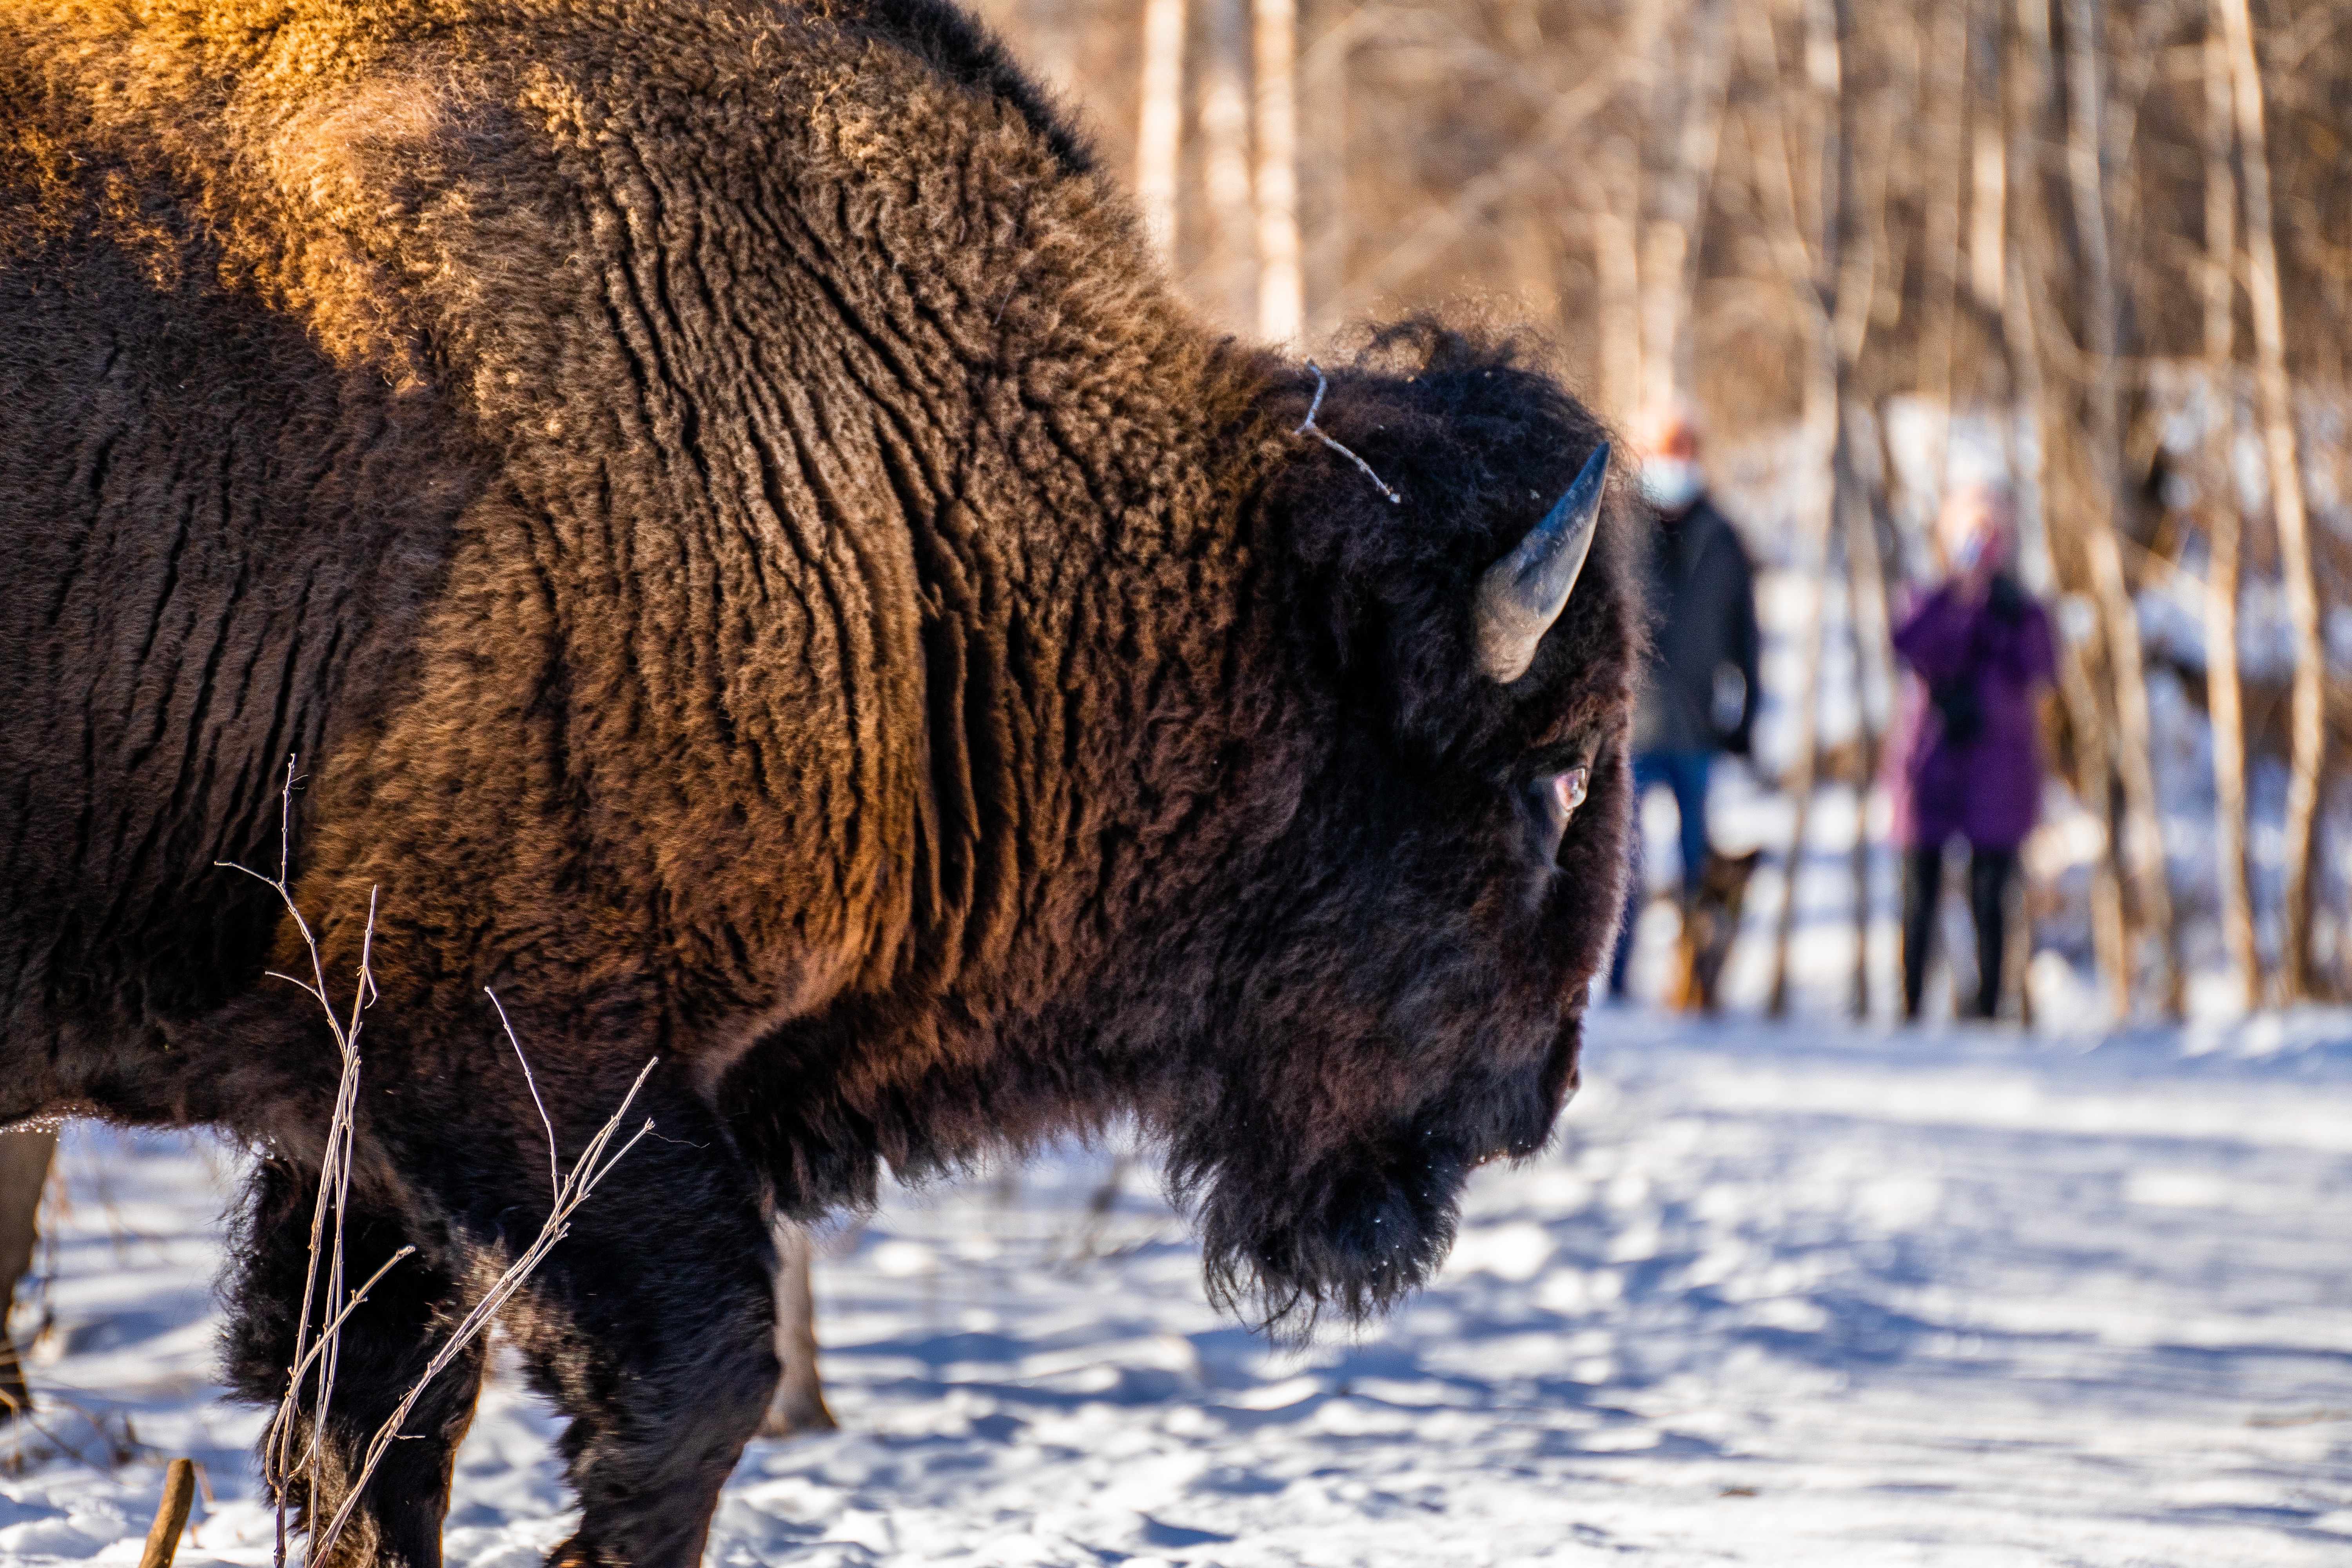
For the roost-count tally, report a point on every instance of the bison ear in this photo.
(1523, 594)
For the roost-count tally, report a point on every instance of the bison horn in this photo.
(1523, 594)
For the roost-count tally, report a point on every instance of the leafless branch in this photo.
(327, 1209)
(590, 1169)
(316, 1355)
(554, 1164)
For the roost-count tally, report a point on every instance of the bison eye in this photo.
(1552, 801)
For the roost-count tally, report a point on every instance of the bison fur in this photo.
(760, 570)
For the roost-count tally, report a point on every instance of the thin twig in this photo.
(335, 1324)
(1308, 426)
(319, 1354)
(590, 1170)
(554, 1164)
(329, 1208)
(24, 1416)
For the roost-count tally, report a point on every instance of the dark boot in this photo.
(1988, 875)
(1922, 885)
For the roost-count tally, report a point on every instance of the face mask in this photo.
(1671, 483)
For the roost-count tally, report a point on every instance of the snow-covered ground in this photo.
(1796, 1296)
(1804, 1295)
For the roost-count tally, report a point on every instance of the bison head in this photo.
(1385, 983)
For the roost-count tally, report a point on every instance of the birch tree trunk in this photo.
(1281, 286)
(1944, 105)
(1989, 164)
(1830, 280)
(1230, 263)
(2087, 174)
(2027, 107)
(1323, 160)
(1617, 273)
(1821, 408)
(2309, 738)
(2224, 699)
(1863, 254)
(1160, 128)
(1671, 234)
(1866, 615)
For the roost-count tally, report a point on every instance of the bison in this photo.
(762, 570)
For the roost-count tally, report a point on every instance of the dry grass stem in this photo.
(328, 1210)
(316, 1355)
(554, 1164)
(590, 1169)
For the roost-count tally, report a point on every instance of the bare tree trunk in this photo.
(2224, 699)
(1102, 1203)
(1230, 260)
(1530, 240)
(1798, 782)
(1830, 274)
(1160, 128)
(1988, 158)
(1868, 590)
(2027, 105)
(2111, 935)
(2143, 844)
(799, 1405)
(1873, 666)
(1823, 437)
(1323, 160)
(24, 1173)
(2309, 738)
(1281, 287)
(1617, 271)
(1944, 107)
(1671, 234)
(1856, 591)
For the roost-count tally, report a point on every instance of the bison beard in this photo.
(759, 568)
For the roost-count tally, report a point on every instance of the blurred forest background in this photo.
(2101, 249)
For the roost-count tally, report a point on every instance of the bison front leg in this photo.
(383, 1351)
(653, 1327)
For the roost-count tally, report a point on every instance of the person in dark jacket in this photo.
(1698, 692)
(1968, 767)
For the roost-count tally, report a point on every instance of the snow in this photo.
(1779, 1295)
(1810, 1294)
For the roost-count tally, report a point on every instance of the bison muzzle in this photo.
(760, 570)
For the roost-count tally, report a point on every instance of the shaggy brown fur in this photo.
(760, 570)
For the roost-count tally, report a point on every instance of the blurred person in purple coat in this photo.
(1969, 766)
